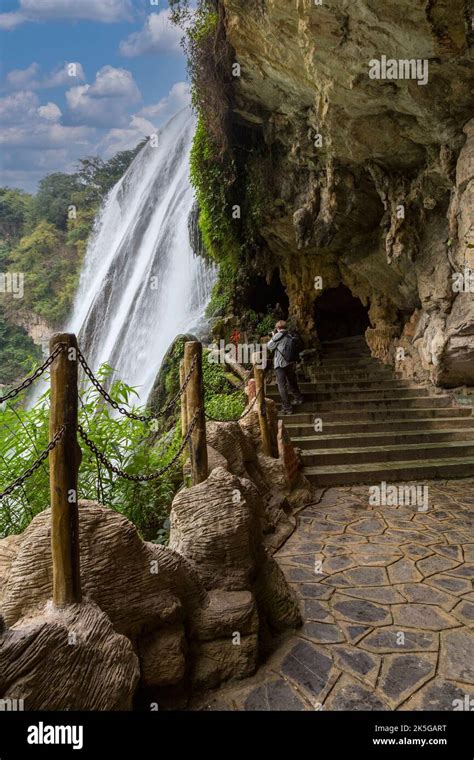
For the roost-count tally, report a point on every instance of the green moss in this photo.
(223, 292)
(211, 175)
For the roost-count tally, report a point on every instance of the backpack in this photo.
(292, 348)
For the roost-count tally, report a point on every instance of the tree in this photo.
(14, 205)
(50, 268)
(53, 199)
(97, 177)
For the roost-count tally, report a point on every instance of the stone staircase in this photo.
(376, 426)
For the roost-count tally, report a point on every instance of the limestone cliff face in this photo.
(369, 182)
(37, 328)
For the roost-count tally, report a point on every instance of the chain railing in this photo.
(28, 381)
(138, 478)
(60, 347)
(35, 466)
(121, 409)
(64, 451)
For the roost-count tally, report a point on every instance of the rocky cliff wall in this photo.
(368, 181)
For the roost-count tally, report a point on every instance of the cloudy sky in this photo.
(83, 77)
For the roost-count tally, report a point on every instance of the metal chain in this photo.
(36, 374)
(139, 417)
(29, 472)
(138, 478)
(244, 414)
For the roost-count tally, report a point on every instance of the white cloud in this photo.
(50, 112)
(146, 122)
(10, 21)
(114, 83)
(44, 136)
(105, 11)
(34, 142)
(158, 35)
(107, 101)
(32, 79)
(126, 138)
(178, 97)
(18, 108)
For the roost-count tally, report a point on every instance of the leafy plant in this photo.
(126, 444)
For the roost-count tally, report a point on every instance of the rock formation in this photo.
(368, 182)
(155, 620)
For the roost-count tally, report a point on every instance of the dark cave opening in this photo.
(264, 297)
(339, 314)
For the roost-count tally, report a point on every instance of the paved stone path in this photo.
(387, 599)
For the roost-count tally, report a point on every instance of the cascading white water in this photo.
(141, 283)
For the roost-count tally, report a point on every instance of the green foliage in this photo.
(167, 385)
(223, 292)
(210, 176)
(24, 434)
(51, 271)
(226, 406)
(42, 239)
(266, 325)
(14, 208)
(222, 400)
(51, 202)
(97, 177)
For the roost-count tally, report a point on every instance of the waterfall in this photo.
(141, 283)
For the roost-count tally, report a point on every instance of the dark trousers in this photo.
(287, 381)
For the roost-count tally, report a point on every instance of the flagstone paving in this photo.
(386, 596)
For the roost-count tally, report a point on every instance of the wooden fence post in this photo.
(259, 376)
(184, 410)
(195, 403)
(64, 462)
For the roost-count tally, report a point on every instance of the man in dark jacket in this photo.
(285, 371)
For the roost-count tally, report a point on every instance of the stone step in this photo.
(340, 365)
(357, 395)
(345, 345)
(345, 378)
(394, 453)
(390, 472)
(350, 385)
(321, 376)
(347, 354)
(352, 406)
(385, 427)
(382, 438)
(343, 362)
(377, 415)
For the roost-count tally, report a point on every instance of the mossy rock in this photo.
(167, 384)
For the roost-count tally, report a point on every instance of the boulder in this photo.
(216, 525)
(139, 585)
(70, 659)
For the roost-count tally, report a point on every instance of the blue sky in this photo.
(83, 77)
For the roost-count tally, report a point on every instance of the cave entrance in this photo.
(338, 314)
(264, 297)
